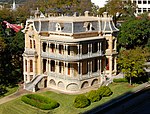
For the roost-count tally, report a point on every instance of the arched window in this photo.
(26, 65)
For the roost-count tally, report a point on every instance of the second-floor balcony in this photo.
(77, 57)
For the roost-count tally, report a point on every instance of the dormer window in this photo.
(88, 26)
(59, 27)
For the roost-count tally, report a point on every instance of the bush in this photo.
(81, 101)
(104, 91)
(120, 80)
(39, 101)
(93, 96)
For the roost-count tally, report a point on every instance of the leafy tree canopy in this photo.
(131, 62)
(134, 32)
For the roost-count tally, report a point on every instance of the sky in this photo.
(100, 3)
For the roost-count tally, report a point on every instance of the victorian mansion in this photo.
(69, 53)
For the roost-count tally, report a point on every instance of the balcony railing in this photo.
(76, 78)
(30, 52)
(69, 57)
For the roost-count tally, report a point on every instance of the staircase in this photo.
(31, 86)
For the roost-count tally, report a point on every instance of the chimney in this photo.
(105, 14)
(86, 13)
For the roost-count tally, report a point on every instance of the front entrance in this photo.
(45, 83)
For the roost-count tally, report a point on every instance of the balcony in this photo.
(30, 52)
(108, 52)
(69, 57)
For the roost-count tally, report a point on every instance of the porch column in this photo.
(49, 65)
(100, 66)
(91, 67)
(110, 66)
(97, 65)
(24, 68)
(91, 49)
(80, 50)
(88, 49)
(66, 68)
(88, 69)
(115, 64)
(98, 46)
(66, 49)
(55, 47)
(64, 45)
(78, 68)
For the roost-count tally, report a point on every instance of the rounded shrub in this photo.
(81, 101)
(104, 91)
(93, 96)
(39, 101)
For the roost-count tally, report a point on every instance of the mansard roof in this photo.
(72, 24)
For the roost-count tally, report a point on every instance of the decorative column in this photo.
(66, 49)
(100, 70)
(88, 69)
(115, 64)
(97, 65)
(78, 46)
(55, 46)
(49, 66)
(91, 49)
(81, 50)
(98, 47)
(24, 69)
(110, 66)
(55, 69)
(88, 49)
(66, 68)
(91, 67)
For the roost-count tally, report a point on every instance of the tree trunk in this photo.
(130, 81)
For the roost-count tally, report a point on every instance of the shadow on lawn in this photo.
(104, 108)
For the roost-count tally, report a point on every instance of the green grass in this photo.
(10, 90)
(66, 102)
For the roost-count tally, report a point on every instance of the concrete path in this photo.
(15, 95)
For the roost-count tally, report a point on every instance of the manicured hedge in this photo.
(104, 91)
(81, 101)
(94, 96)
(39, 101)
(120, 80)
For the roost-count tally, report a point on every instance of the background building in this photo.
(69, 53)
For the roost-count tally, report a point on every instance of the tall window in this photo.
(26, 65)
(31, 66)
(34, 44)
(30, 43)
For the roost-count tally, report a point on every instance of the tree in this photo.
(118, 8)
(131, 62)
(134, 32)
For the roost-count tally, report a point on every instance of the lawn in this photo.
(66, 102)
(10, 90)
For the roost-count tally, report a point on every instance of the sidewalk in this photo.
(15, 95)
